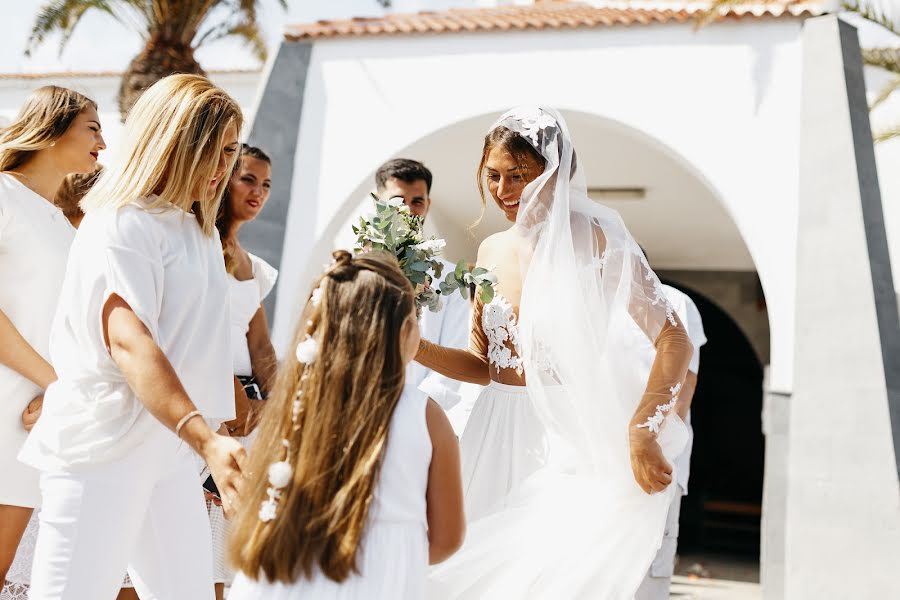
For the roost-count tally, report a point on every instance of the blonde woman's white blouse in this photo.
(173, 277)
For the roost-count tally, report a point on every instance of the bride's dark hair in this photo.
(519, 148)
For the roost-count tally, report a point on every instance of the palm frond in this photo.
(887, 134)
(870, 13)
(247, 31)
(886, 92)
(886, 58)
(61, 16)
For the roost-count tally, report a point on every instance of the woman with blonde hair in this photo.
(57, 132)
(355, 487)
(140, 342)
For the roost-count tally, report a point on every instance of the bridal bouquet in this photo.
(394, 229)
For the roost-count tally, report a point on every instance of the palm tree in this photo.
(884, 58)
(171, 29)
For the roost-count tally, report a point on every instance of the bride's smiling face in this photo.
(506, 178)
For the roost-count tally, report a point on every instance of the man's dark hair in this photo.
(404, 169)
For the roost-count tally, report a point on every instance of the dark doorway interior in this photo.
(721, 513)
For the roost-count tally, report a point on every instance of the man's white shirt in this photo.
(448, 327)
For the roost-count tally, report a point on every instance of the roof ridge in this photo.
(551, 14)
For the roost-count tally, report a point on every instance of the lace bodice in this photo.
(501, 328)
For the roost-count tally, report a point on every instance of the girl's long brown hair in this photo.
(337, 445)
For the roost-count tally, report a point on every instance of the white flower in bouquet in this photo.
(434, 246)
(395, 230)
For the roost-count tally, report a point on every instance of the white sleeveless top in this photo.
(393, 555)
(245, 298)
(400, 495)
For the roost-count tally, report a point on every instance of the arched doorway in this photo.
(721, 514)
(727, 462)
(688, 231)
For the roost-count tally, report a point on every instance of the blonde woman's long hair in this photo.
(171, 143)
(349, 397)
(46, 115)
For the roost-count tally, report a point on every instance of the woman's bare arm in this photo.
(17, 354)
(153, 380)
(262, 354)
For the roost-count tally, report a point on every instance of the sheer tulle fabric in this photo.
(580, 527)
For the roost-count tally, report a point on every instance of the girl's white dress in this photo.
(393, 558)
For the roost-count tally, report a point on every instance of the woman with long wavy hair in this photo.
(141, 347)
(57, 132)
(355, 487)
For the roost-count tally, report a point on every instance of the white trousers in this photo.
(658, 581)
(144, 513)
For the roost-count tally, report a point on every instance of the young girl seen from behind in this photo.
(354, 486)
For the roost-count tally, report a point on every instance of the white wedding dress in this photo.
(553, 507)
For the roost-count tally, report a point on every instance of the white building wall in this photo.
(724, 100)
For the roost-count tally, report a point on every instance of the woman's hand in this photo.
(32, 412)
(651, 469)
(225, 458)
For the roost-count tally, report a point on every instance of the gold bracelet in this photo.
(185, 419)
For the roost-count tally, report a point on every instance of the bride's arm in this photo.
(650, 309)
(470, 365)
(673, 355)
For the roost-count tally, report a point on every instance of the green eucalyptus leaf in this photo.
(460, 269)
(487, 294)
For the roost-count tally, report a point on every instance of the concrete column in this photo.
(276, 130)
(843, 502)
(775, 416)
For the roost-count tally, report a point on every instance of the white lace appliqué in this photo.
(531, 120)
(501, 328)
(653, 423)
(659, 295)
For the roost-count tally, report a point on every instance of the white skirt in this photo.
(392, 565)
(502, 444)
(542, 522)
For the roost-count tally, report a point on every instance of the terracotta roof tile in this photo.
(547, 14)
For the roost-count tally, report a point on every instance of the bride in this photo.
(566, 457)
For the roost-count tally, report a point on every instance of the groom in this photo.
(410, 181)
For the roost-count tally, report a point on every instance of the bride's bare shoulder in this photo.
(491, 246)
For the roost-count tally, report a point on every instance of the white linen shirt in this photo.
(448, 327)
(173, 277)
